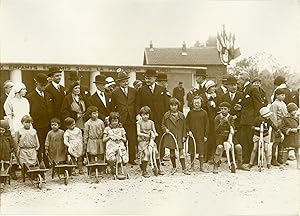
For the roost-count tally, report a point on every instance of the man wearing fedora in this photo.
(101, 99)
(162, 80)
(41, 112)
(178, 93)
(152, 95)
(123, 101)
(56, 91)
(248, 106)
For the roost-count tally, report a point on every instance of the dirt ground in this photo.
(270, 192)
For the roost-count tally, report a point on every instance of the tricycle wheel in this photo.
(66, 179)
(40, 181)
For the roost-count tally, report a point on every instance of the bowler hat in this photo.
(201, 72)
(100, 79)
(279, 80)
(41, 78)
(162, 77)
(109, 81)
(265, 112)
(231, 80)
(224, 79)
(53, 70)
(122, 76)
(150, 73)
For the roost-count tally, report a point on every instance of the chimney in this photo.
(184, 53)
(151, 46)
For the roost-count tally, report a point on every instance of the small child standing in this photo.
(115, 138)
(174, 122)
(265, 120)
(290, 128)
(7, 146)
(93, 134)
(73, 141)
(54, 144)
(197, 125)
(146, 135)
(279, 110)
(27, 142)
(224, 123)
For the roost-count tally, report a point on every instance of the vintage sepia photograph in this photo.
(150, 107)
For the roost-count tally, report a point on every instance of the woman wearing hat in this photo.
(211, 105)
(16, 106)
(75, 105)
(123, 101)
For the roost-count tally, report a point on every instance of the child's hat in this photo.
(291, 107)
(279, 91)
(265, 112)
(225, 104)
(4, 124)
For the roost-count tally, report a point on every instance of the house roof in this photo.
(173, 56)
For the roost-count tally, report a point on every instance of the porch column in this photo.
(16, 75)
(132, 77)
(92, 79)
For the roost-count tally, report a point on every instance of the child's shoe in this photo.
(145, 174)
(250, 166)
(160, 172)
(215, 170)
(269, 166)
(274, 162)
(186, 172)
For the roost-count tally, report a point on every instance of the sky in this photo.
(115, 32)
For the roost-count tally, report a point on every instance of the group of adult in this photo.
(50, 99)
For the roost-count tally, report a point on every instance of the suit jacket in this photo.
(237, 97)
(102, 110)
(155, 101)
(124, 105)
(251, 103)
(2, 101)
(57, 98)
(41, 109)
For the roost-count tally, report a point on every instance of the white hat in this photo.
(265, 112)
(209, 84)
(109, 81)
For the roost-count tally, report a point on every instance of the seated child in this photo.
(73, 141)
(115, 137)
(174, 122)
(290, 128)
(146, 133)
(7, 147)
(224, 122)
(265, 120)
(54, 144)
(93, 134)
(27, 142)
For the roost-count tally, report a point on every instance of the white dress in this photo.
(15, 109)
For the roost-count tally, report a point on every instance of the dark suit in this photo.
(2, 101)
(41, 111)
(102, 110)
(57, 99)
(156, 102)
(126, 107)
(179, 94)
(251, 103)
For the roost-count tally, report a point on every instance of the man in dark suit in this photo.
(152, 95)
(223, 87)
(101, 99)
(179, 92)
(123, 101)
(75, 77)
(41, 112)
(249, 106)
(257, 83)
(7, 86)
(56, 91)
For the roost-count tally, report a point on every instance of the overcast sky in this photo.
(117, 31)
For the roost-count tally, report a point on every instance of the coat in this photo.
(3, 97)
(290, 139)
(251, 103)
(153, 100)
(57, 99)
(179, 94)
(233, 112)
(176, 127)
(41, 109)
(103, 111)
(124, 105)
(7, 146)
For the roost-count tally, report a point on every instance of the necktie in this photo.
(41, 93)
(125, 91)
(231, 96)
(151, 89)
